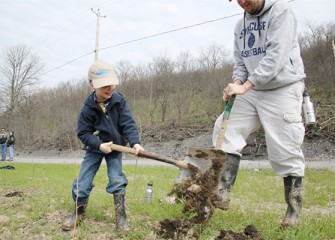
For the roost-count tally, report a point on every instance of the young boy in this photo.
(104, 119)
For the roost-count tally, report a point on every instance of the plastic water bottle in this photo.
(308, 109)
(148, 193)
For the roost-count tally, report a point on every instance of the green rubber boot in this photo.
(228, 178)
(293, 197)
(120, 213)
(75, 218)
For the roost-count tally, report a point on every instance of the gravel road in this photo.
(319, 154)
(245, 164)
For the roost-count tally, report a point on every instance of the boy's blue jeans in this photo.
(89, 167)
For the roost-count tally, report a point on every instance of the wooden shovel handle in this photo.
(149, 155)
(225, 117)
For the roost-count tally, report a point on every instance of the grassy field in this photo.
(36, 198)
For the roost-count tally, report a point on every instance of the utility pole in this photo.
(96, 57)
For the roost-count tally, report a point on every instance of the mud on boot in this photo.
(120, 213)
(228, 177)
(75, 218)
(293, 197)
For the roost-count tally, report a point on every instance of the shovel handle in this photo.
(149, 155)
(227, 109)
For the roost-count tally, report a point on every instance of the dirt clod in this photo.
(176, 229)
(200, 195)
(199, 191)
(14, 193)
(250, 233)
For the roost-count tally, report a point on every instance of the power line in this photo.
(170, 31)
(143, 38)
(56, 30)
(68, 62)
(48, 37)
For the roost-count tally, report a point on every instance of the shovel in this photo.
(227, 110)
(203, 157)
(178, 163)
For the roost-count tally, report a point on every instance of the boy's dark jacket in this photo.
(116, 125)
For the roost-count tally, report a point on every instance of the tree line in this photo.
(164, 93)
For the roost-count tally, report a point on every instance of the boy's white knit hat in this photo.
(102, 74)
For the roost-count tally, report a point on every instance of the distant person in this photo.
(3, 143)
(268, 81)
(104, 119)
(10, 145)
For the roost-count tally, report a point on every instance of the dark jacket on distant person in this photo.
(11, 140)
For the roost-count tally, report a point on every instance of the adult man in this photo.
(268, 79)
(3, 143)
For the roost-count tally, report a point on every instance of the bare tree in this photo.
(124, 71)
(318, 58)
(185, 64)
(27, 107)
(213, 57)
(211, 61)
(20, 70)
(163, 69)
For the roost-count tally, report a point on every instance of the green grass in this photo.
(44, 201)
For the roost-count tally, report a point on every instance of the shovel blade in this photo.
(202, 158)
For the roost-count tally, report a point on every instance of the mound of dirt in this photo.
(176, 229)
(250, 233)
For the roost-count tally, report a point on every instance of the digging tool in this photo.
(203, 157)
(227, 109)
(179, 163)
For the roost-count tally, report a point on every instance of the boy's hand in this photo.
(138, 148)
(106, 147)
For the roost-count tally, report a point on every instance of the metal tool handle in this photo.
(149, 155)
(225, 117)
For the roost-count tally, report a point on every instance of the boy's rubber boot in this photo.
(75, 218)
(228, 177)
(293, 197)
(120, 213)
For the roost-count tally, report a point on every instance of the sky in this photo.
(62, 33)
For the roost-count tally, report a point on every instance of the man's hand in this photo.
(138, 148)
(236, 88)
(106, 147)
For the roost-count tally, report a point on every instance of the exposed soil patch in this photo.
(14, 193)
(250, 232)
(176, 229)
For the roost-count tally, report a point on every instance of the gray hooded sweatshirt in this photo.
(266, 47)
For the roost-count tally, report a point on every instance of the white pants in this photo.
(279, 112)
